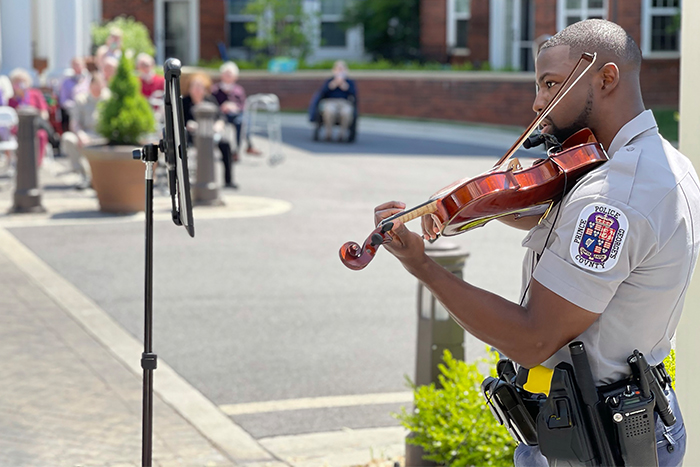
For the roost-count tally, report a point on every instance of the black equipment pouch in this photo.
(561, 428)
(513, 407)
(507, 406)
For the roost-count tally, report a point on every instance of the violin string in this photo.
(549, 234)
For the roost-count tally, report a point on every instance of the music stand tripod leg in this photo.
(149, 360)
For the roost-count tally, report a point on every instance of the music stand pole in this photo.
(149, 360)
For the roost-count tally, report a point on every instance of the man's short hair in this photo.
(229, 66)
(598, 35)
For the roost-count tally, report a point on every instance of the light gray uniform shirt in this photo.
(624, 245)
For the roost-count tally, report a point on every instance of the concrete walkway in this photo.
(71, 377)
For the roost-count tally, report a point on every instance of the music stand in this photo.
(174, 147)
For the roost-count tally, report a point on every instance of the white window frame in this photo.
(647, 12)
(235, 18)
(452, 18)
(159, 7)
(584, 12)
(330, 18)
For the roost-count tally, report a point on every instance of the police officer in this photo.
(611, 265)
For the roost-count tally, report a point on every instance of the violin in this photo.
(506, 189)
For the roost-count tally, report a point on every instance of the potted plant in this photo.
(124, 119)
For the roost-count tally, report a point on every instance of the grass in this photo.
(667, 119)
(374, 65)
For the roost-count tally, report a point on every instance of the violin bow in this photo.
(563, 91)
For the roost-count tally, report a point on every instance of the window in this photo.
(573, 11)
(236, 19)
(661, 28)
(458, 16)
(333, 33)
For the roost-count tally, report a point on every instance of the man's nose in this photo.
(539, 103)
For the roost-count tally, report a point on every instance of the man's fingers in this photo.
(390, 205)
(385, 210)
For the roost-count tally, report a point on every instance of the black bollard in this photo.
(205, 189)
(27, 196)
(437, 331)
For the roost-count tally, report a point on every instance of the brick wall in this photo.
(482, 97)
(478, 39)
(212, 27)
(545, 14)
(140, 10)
(479, 97)
(433, 29)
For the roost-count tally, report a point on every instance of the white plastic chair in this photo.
(269, 123)
(8, 141)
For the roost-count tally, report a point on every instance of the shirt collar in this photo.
(638, 125)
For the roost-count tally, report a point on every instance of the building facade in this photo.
(502, 33)
(44, 35)
(209, 29)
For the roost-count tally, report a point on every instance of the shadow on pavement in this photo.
(376, 144)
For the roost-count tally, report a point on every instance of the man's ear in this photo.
(609, 77)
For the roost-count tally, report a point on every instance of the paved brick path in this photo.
(67, 401)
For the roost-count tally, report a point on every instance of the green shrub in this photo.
(670, 364)
(135, 35)
(126, 115)
(453, 425)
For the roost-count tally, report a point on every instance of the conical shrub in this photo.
(126, 115)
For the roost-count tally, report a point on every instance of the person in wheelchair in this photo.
(336, 103)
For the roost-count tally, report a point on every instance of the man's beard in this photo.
(562, 134)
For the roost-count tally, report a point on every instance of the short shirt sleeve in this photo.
(596, 244)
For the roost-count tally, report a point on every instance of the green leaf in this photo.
(453, 425)
(126, 116)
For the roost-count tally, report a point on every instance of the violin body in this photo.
(471, 203)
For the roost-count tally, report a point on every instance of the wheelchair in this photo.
(352, 129)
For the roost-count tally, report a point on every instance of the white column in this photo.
(15, 28)
(67, 34)
(687, 342)
(497, 27)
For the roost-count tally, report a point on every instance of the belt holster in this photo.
(562, 428)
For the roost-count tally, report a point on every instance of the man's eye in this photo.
(550, 84)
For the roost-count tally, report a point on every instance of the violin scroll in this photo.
(355, 257)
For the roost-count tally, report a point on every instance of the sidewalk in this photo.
(72, 386)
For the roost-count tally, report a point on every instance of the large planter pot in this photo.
(117, 178)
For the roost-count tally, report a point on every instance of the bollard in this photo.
(205, 189)
(27, 196)
(437, 331)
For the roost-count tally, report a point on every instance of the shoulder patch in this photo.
(600, 233)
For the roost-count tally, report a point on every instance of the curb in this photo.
(191, 404)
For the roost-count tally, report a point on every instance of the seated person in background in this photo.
(5, 95)
(109, 68)
(199, 86)
(150, 81)
(71, 86)
(83, 122)
(27, 96)
(335, 93)
(231, 99)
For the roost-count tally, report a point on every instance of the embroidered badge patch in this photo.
(598, 238)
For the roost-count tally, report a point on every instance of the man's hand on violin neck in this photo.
(407, 246)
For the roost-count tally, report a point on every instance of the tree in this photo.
(135, 35)
(391, 27)
(126, 115)
(281, 28)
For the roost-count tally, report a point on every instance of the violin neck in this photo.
(428, 207)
